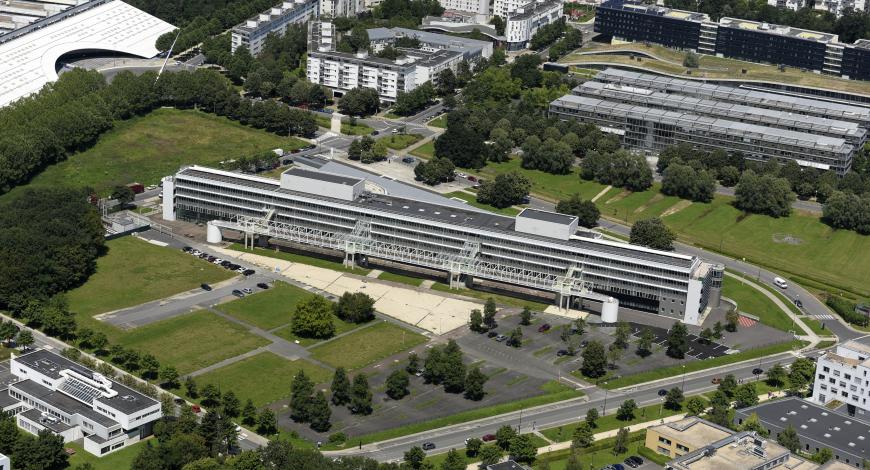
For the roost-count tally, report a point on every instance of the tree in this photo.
(717, 330)
(685, 182)
(674, 399)
(413, 363)
(594, 360)
(249, 413)
(619, 168)
(764, 194)
(190, 387)
(454, 460)
(360, 396)
(678, 341)
(645, 342)
(25, 339)
(516, 338)
(460, 143)
(504, 190)
(169, 377)
(592, 417)
(789, 439)
(230, 404)
(728, 176)
(776, 375)
(583, 436)
(695, 406)
(472, 446)
(822, 456)
(728, 386)
(359, 102)
(489, 310)
(313, 318)
(319, 412)
(489, 455)
(397, 384)
(586, 211)
(474, 381)
(848, 211)
(621, 444)
(614, 354)
(720, 408)
(626, 410)
(150, 366)
(706, 335)
(356, 307)
(266, 422)
(475, 321)
(504, 435)
(523, 449)
(732, 319)
(746, 395)
(414, 457)
(300, 397)
(622, 334)
(435, 171)
(526, 316)
(652, 233)
(340, 387)
(752, 423)
(123, 194)
(211, 396)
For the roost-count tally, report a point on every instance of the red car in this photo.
(472, 178)
(544, 327)
(488, 437)
(195, 408)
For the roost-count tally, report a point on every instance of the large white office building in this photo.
(523, 21)
(844, 376)
(536, 251)
(55, 394)
(253, 32)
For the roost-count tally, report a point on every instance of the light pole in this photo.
(661, 406)
(683, 386)
(604, 408)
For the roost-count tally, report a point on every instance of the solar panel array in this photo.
(80, 390)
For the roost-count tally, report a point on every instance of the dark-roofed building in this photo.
(537, 250)
(817, 427)
(75, 402)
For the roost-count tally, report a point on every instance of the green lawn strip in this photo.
(341, 326)
(546, 185)
(367, 345)
(754, 302)
(425, 151)
(558, 460)
(133, 272)
(297, 258)
(147, 148)
(267, 309)
(401, 278)
(694, 366)
(440, 121)
(437, 459)
(543, 351)
(264, 378)
(346, 128)
(400, 141)
(192, 341)
(499, 298)
(120, 459)
(471, 199)
(566, 393)
(816, 325)
(825, 344)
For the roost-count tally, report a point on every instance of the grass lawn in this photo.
(440, 121)
(146, 148)
(816, 326)
(192, 341)
(609, 422)
(341, 326)
(499, 298)
(754, 302)
(545, 185)
(121, 459)
(694, 366)
(133, 272)
(558, 460)
(400, 141)
(264, 378)
(296, 258)
(267, 309)
(366, 345)
(425, 151)
(411, 281)
(471, 199)
(553, 392)
(346, 128)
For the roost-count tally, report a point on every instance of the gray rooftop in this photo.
(655, 10)
(323, 176)
(761, 27)
(36, 416)
(552, 217)
(443, 40)
(534, 7)
(61, 401)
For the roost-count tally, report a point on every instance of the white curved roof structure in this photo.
(28, 56)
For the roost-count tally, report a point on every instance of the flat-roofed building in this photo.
(253, 32)
(524, 21)
(741, 451)
(464, 243)
(844, 376)
(684, 436)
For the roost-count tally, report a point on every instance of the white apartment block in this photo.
(838, 6)
(523, 22)
(478, 7)
(56, 394)
(340, 8)
(844, 376)
(252, 33)
(790, 4)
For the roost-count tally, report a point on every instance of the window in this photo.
(666, 441)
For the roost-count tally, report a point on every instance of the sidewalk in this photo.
(811, 336)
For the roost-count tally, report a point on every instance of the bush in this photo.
(846, 309)
(337, 438)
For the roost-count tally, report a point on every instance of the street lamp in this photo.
(683, 386)
(604, 408)
(661, 406)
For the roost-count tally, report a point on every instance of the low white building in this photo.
(524, 21)
(844, 376)
(838, 6)
(794, 5)
(253, 32)
(56, 394)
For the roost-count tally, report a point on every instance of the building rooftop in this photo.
(265, 19)
(61, 401)
(741, 451)
(509, 465)
(655, 10)
(693, 431)
(533, 8)
(323, 176)
(789, 31)
(6, 399)
(55, 425)
(546, 216)
(817, 423)
(444, 40)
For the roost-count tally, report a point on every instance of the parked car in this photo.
(492, 334)
(488, 437)
(500, 338)
(663, 392)
(716, 381)
(472, 178)
(262, 285)
(187, 249)
(618, 466)
(238, 293)
(757, 371)
(634, 461)
(375, 132)
(408, 160)
(248, 272)
(562, 352)
(248, 290)
(205, 287)
(428, 445)
(544, 328)
(798, 303)
(526, 200)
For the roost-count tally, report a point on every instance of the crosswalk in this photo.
(823, 317)
(746, 322)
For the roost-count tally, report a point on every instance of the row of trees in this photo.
(435, 171)
(619, 168)
(367, 150)
(314, 316)
(443, 365)
(359, 101)
(504, 190)
(548, 34)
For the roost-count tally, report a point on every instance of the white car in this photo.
(780, 282)
(151, 187)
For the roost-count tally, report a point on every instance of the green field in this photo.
(816, 326)
(147, 148)
(366, 346)
(296, 258)
(425, 151)
(346, 128)
(134, 272)
(609, 422)
(267, 309)
(471, 199)
(264, 378)
(545, 185)
(192, 341)
(754, 302)
(401, 278)
(341, 326)
(440, 121)
(400, 141)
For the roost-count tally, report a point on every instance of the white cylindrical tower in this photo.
(213, 233)
(609, 310)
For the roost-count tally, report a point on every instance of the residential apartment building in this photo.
(477, 7)
(844, 375)
(467, 244)
(734, 38)
(72, 401)
(340, 8)
(837, 7)
(523, 22)
(341, 71)
(789, 4)
(252, 33)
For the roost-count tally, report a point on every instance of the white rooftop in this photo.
(28, 62)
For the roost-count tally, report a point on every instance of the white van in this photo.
(780, 282)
